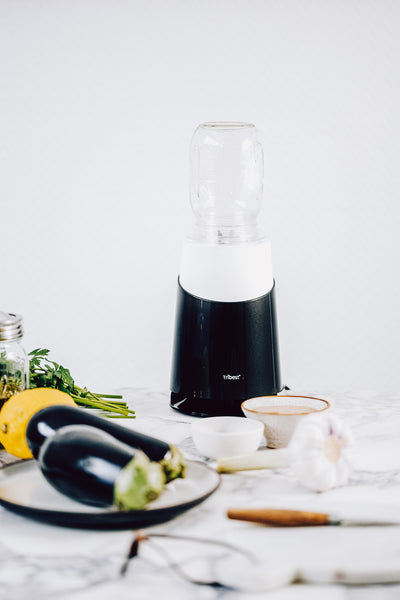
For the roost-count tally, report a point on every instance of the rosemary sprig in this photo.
(44, 372)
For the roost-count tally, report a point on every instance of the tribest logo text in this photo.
(228, 377)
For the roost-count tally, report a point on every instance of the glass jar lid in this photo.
(10, 326)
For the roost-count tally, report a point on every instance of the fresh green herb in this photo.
(44, 372)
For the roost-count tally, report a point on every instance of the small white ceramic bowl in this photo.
(220, 437)
(280, 415)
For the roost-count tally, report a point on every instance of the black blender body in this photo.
(226, 341)
(224, 353)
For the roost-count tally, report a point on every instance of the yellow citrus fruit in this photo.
(19, 409)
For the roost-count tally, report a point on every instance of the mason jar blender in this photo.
(226, 341)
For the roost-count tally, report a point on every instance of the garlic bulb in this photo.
(318, 452)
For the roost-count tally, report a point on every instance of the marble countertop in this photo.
(44, 561)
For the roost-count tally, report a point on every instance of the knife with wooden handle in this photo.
(299, 518)
(276, 516)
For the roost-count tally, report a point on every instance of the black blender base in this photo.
(207, 408)
(224, 353)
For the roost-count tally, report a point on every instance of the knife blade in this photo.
(299, 518)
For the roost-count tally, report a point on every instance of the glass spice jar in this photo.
(14, 363)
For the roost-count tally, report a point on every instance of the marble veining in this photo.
(44, 561)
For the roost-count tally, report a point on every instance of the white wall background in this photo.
(98, 101)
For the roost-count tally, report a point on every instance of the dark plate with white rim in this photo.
(24, 490)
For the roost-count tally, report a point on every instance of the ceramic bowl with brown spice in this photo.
(280, 415)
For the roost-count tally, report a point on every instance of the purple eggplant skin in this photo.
(92, 467)
(83, 463)
(48, 420)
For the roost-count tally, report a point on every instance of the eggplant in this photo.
(47, 421)
(91, 466)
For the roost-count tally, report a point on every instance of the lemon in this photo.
(18, 410)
